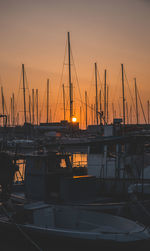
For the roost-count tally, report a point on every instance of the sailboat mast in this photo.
(30, 109)
(92, 120)
(37, 111)
(96, 103)
(136, 100)
(50, 115)
(148, 111)
(127, 113)
(33, 106)
(119, 109)
(107, 103)
(94, 114)
(17, 118)
(2, 100)
(3, 104)
(100, 104)
(130, 114)
(123, 99)
(80, 117)
(86, 108)
(47, 100)
(13, 106)
(11, 111)
(24, 93)
(105, 97)
(70, 84)
(64, 102)
(113, 111)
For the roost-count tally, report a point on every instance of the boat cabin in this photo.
(51, 177)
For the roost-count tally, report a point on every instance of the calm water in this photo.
(21, 244)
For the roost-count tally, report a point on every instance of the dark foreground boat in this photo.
(70, 226)
(44, 224)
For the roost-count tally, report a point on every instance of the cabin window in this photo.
(63, 163)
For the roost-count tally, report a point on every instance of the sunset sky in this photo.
(109, 32)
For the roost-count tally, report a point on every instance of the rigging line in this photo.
(27, 86)
(114, 93)
(100, 83)
(27, 93)
(76, 75)
(59, 91)
(141, 106)
(60, 81)
(9, 108)
(15, 107)
(83, 102)
(130, 92)
(67, 105)
(91, 84)
(5, 105)
(50, 100)
(101, 88)
(18, 91)
(4, 101)
(21, 230)
(42, 106)
(92, 108)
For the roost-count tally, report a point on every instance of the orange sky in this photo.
(109, 32)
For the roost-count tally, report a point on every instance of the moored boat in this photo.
(43, 222)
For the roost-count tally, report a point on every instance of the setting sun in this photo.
(74, 119)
